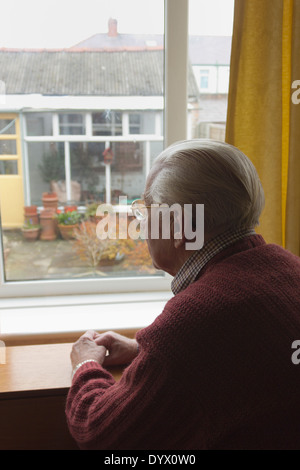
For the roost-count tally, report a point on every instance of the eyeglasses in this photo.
(139, 209)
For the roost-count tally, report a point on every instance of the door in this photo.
(11, 176)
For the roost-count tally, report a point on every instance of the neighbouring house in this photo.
(210, 60)
(85, 123)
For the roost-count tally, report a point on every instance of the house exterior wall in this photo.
(212, 78)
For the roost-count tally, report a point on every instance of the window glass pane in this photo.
(71, 124)
(88, 170)
(148, 123)
(135, 123)
(127, 170)
(94, 101)
(8, 167)
(204, 77)
(155, 149)
(210, 31)
(46, 163)
(107, 123)
(7, 126)
(39, 124)
(8, 147)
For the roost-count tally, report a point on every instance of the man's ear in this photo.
(177, 229)
(179, 242)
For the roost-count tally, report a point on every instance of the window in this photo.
(71, 124)
(90, 130)
(8, 147)
(209, 52)
(80, 160)
(107, 123)
(7, 126)
(46, 164)
(39, 124)
(95, 139)
(204, 77)
(8, 167)
(134, 123)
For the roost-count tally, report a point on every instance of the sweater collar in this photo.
(196, 262)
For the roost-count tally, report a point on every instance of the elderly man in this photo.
(215, 369)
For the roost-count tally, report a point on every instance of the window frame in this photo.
(88, 137)
(175, 126)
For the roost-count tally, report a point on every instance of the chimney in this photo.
(112, 28)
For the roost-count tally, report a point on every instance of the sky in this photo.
(64, 23)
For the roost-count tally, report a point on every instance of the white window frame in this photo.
(175, 125)
(87, 137)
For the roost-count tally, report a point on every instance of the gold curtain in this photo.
(262, 119)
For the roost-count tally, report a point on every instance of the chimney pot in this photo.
(112, 27)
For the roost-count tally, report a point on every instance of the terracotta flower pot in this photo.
(50, 200)
(67, 231)
(31, 215)
(48, 224)
(31, 234)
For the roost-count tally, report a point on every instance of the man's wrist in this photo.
(81, 364)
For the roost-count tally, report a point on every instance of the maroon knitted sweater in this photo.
(214, 370)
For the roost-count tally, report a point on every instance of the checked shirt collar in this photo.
(196, 262)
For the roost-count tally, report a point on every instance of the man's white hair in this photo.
(209, 172)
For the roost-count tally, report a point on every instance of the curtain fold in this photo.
(292, 229)
(262, 120)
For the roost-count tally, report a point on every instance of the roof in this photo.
(99, 73)
(203, 50)
(212, 108)
(121, 41)
(209, 50)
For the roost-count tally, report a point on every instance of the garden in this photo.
(60, 243)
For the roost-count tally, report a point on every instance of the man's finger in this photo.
(105, 339)
(90, 334)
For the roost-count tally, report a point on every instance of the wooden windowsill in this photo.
(55, 338)
(34, 383)
(38, 369)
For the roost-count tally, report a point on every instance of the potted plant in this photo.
(52, 167)
(30, 230)
(67, 222)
